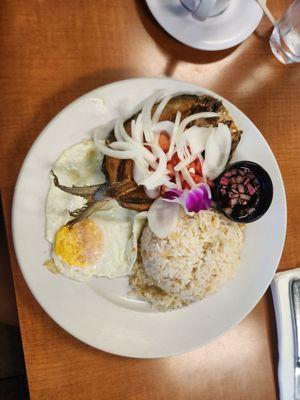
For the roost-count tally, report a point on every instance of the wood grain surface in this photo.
(56, 50)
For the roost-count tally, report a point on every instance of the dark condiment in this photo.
(239, 192)
(244, 191)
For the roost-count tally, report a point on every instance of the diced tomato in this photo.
(170, 168)
(197, 178)
(174, 160)
(196, 165)
(164, 141)
(185, 185)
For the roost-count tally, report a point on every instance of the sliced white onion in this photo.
(140, 171)
(178, 180)
(174, 136)
(101, 132)
(183, 125)
(193, 117)
(156, 136)
(167, 126)
(118, 131)
(152, 193)
(161, 169)
(123, 146)
(187, 152)
(166, 180)
(217, 151)
(132, 128)
(146, 115)
(154, 184)
(196, 138)
(159, 109)
(187, 177)
(137, 132)
(184, 163)
(123, 150)
(121, 132)
(162, 126)
(201, 159)
(123, 155)
(162, 217)
(138, 174)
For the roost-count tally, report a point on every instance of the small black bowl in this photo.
(265, 196)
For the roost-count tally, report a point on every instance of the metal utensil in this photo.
(295, 309)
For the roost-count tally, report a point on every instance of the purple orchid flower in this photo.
(194, 200)
(173, 194)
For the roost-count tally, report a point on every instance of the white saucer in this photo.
(217, 33)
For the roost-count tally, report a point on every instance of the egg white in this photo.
(78, 165)
(81, 165)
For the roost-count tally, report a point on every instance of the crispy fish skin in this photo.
(117, 170)
(95, 195)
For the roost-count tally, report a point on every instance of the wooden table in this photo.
(54, 51)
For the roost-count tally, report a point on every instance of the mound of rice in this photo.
(198, 258)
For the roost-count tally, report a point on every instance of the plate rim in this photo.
(14, 235)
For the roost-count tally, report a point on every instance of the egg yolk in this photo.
(79, 245)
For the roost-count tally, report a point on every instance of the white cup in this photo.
(203, 9)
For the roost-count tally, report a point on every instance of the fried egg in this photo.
(78, 165)
(104, 244)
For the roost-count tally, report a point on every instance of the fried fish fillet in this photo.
(117, 170)
(119, 173)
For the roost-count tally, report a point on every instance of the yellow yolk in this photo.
(80, 245)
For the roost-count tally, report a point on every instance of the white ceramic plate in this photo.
(226, 30)
(100, 313)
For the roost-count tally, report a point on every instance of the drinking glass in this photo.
(285, 38)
